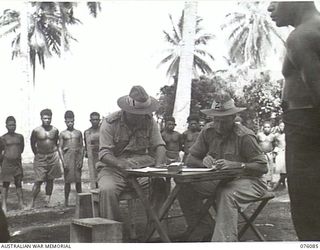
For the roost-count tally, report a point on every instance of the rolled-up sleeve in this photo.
(251, 150)
(156, 138)
(106, 144)
(200, 148)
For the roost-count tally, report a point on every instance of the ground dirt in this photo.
(53, 224)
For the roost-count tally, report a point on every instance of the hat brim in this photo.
(154, 106)
(232, 111)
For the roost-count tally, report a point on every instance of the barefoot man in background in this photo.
(71, 150)
(11, 148)
(91, 142)
(44, 144)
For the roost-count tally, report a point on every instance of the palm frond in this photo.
(169, 38)
(202, 65)
(177, 34)
(94, 8)
(166, 59)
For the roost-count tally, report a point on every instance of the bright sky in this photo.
(120, 48)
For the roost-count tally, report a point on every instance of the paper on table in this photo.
(148, 169)
(198, 169)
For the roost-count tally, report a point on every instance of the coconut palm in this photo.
(47, 29)
(44, 31)
(174, 38)
(252, 33)
(187, 61)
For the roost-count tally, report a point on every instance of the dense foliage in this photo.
(261, 97)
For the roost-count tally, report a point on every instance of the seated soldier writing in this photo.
(128, 139)
(224, 145)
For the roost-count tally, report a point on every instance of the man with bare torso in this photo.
(44, 144)
(172, 139)
(71, 151)
(11, 148)
(301, 112)
(266, 141)
(91, 142)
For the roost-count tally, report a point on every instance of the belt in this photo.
(289, 105)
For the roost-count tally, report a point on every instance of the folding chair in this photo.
(249, 220)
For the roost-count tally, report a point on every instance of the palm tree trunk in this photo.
(26, 86)
(63, 51)
(183, 92)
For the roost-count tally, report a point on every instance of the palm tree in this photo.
(175, 39)
(252, 33)
(47, 29)
(187, 61)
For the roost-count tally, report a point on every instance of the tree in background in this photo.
(46, 27)
(261, 97)
(252, 34)
(174, 39)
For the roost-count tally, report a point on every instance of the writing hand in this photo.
(209, 161)
(225, 164)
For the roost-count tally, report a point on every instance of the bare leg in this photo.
(49, 189)
(35, 192)
(4, 198)
(78, 187)
(20, 197)
(67, 188)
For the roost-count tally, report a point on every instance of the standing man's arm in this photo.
(82, 149)
(60, 144)
(303, 51)
(33, 142)
(85, 144)
(22, 143)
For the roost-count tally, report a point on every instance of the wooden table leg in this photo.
(147, 205)
(165, 208)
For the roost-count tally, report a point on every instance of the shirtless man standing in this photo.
(44, 144)
(11, 148)
(91, 141)
(301, 112)
(266, 141)
(71, 150)
(172, 139)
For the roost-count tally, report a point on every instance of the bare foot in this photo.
(30, 206)
(66, 203)
(4, 209)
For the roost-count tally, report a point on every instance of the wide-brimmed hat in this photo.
(138, 102)
(222, 105)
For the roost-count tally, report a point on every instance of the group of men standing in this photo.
(52, 150)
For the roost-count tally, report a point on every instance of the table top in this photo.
(189, 176)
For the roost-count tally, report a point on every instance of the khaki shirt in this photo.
(241, 145)
(117, 138)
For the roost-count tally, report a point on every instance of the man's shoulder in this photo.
(305, 34)
(113, 117)
(241, 130)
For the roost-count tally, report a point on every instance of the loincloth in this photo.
(11, 169)
(73, 164)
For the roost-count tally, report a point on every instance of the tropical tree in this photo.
(251, 33)
(46, 26)
(175, 40)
